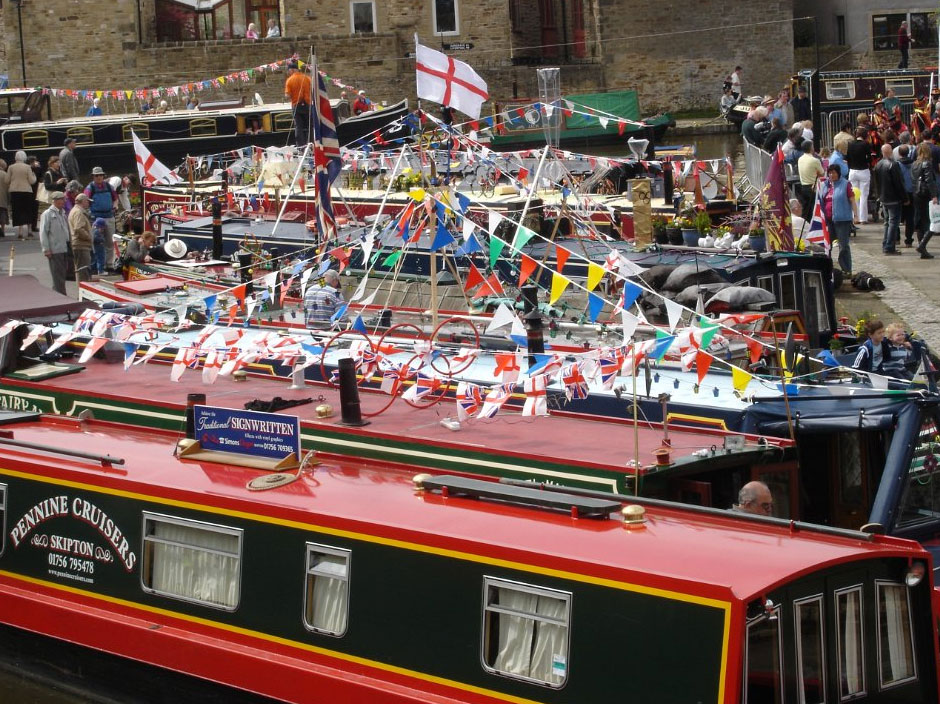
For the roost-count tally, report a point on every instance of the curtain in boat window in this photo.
(533, 635)
(897, 647)
(851, 655)
(194, 563)
(327, 592)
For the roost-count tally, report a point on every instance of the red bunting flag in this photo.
(239, 293)
(523, 173)
(621, 126)
(474, 278)
(702, 363)
(756, 349)
(233, 309)
(561, 257)
(526, 267)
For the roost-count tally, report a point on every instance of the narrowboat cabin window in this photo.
(902, 87)
(82, 135)
(283, 122)
(446, 17)
(921, 501)
(192, 561)
(766, 283)
(814, 295)
(895, 635)
(202, 128)
(525, 631)
(35, 139)
(141, 129)
(362, 16)
(326, 594)
(840, 90)
(810, 650)
(764, 671)
(849, 643)
(788, 291)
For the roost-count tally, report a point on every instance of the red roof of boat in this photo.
(676, 549)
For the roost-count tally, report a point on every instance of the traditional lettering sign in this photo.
(266, 435)
(457, 46)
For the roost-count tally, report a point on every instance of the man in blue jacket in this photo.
(103, 199)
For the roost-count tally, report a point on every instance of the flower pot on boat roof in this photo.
(757, 240)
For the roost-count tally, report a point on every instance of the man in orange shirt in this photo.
(297, 88)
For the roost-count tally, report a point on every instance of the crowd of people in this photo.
(880, 158)
(80, 221)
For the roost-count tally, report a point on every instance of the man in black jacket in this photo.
(800, 105)
(892, 194)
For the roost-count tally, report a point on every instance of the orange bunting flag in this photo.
(495, 285)
(561, 256)
(526, 267)
(595, 274)
(740, 379)
(756, 349)
(233, 309)
(239, 293)
(474, 278)
(417, 235)
(702, 363)
(341, 255)
(559, 284)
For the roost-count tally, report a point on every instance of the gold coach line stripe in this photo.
(724, 606)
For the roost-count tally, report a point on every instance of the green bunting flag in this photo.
(496, 248)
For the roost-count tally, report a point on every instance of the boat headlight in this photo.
(915, 574)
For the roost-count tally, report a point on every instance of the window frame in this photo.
(821, 324)
(34, 139)
(850, 90)
(789, 277)
(352, 16)
(861, 615)
(769, 279)
(81, 134)
(141, 128)
(775, 612)
(312, 547)
(3, 517)
(499, 582)
(452, 33)
(879, 583)
(203, 123)
(797, 603)
(907, 91)
(199, 525)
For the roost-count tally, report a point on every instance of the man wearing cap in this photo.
(362, 103)
(54, 240)
(82, 243)
(68, 162)
(800, 105)
(323, 300)
(103, 200)
(297, 88)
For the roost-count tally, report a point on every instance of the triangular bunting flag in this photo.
(526, 267)
(595, 274)
(559, 284)
(740, 379)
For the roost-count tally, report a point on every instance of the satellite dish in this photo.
(258, 99)
(709, 187)
(638, 147)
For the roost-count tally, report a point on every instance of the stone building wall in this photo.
(675, 58)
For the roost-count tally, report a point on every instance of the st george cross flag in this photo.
(149, 168)
(445, 80)
(818, 230)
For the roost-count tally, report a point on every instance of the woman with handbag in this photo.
(53, 180)
(838, 207)
(924, 180)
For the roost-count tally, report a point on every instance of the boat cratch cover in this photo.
(445, 80)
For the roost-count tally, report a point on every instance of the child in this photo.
(904, 353)
(875, 351)
(100, 234)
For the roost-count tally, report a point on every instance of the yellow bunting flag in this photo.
(417, 194)
(740, 379)
(595, 274)
(559, 284)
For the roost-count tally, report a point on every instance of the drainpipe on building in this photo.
(140, 25)
(19, 22)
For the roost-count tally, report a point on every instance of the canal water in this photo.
(26, 684)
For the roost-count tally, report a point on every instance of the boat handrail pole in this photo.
(293, 182)
(105, 460)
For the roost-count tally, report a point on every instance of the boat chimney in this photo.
(350, 411)
(191, 401)
(533, 322)
(216, 229)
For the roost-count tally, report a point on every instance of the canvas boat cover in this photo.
(24, 298)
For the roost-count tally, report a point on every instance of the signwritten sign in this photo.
(266, 435)
(457, 46)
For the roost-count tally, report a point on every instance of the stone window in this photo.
(362, 16)
(446, 17)
(197, 20)
(884, 30)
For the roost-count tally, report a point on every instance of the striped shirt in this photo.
(320, 305)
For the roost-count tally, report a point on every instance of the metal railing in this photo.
(832, 121)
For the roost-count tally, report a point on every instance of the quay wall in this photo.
(675, 57)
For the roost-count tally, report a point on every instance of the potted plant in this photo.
(757, 238)
(686, 223)
(659, 229)
(674, 232)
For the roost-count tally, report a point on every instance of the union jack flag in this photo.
(326, 158)
(424, 385)
(469, 400)
(393, 376)
(818, 230)
(495, 399)
(576, 385)
(609, 363)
